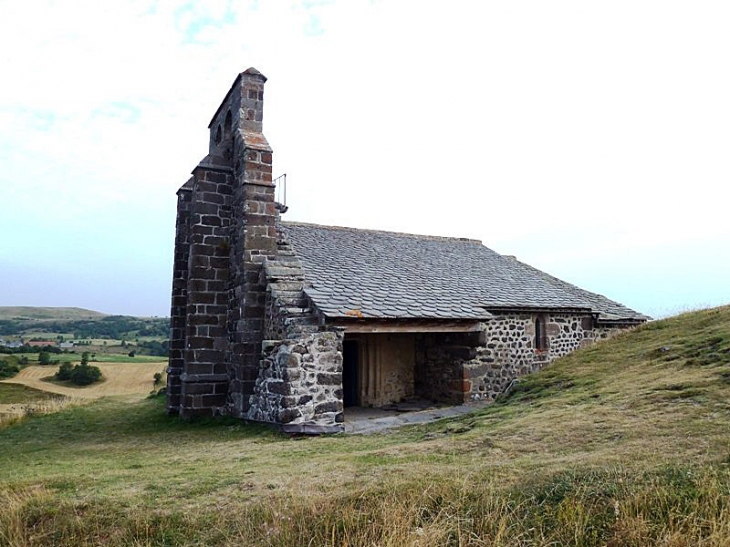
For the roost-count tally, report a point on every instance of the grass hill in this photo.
(77, 323)
(626, 443)
(30, 312)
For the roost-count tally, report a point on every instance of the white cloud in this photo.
(563, 132)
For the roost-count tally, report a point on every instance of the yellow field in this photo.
(118, 379)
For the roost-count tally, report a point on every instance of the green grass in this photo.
(625, 443)
(124, 358)
(16, 393)
(60, 357)
(99, 358)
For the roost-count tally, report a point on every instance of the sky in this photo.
(588, 139)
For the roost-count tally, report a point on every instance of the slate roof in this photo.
(386, 275)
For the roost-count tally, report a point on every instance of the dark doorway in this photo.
(350, 365)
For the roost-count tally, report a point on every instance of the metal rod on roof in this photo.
(280, 184)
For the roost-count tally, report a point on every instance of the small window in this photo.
(541, 339)
(227, 124)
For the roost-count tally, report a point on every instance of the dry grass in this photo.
(624, 444)
(119, 379)
(14, 413)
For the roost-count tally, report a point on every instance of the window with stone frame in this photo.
(541, 339)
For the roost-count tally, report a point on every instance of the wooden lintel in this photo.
(447, 326)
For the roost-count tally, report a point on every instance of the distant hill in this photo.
(31, 312)
(27, 321)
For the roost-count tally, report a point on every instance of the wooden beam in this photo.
(395, 327)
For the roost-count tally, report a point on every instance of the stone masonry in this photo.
(300, 385)
(260, 309)
(231, 271)
(218, 297)
(462, 367)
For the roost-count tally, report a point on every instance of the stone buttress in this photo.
(226, 230)
(225, 227)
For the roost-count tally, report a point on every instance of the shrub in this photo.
(8, 369)
(44, 358)
(64, 371)
(83, 375)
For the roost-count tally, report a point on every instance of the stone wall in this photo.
(179, 304)
(204, 377)
(508, 350)
(299, 379)
(439, 364)
(225, 231)
(459, 367)
(253, 235)
(299, 385)
(288, 311)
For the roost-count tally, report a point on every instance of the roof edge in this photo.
(385, 232)
(540, 309)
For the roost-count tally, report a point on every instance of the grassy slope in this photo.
(30, 312)
(17, 394)
(625, 443)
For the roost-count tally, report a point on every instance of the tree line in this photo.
(112, 327)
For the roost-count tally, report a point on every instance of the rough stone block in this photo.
(325, 379)
(279, 387)
(289, 415)
(329, 406)
(197, 389)
(213, 400)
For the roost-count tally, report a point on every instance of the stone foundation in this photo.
(299, 385)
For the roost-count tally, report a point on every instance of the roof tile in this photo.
(387, 274)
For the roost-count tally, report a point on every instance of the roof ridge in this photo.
(385, 232)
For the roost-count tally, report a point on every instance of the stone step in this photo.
(286, 292)
(286, 295)
(279, 272)
(297, 311)
(286, 285)
(304, 330)
(285, 256)
(293, 302)
(289, 261)
(301, 321)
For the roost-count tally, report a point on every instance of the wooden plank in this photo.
(373, 327)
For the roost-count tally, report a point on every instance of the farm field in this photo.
(623, 444)
(98, 358)
(119, 379)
